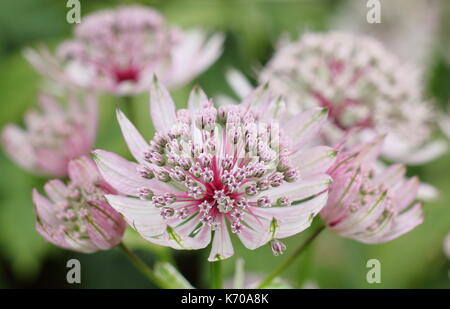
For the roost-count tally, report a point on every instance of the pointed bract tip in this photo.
(119, 113)
(333, 153)
(95, 154)
(324, 111)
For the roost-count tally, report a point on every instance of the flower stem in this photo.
(128, 105)
(144, 268)
(291, 258)
(216, 274)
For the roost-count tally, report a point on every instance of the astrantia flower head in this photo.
(366, 89)
(369, 204)
(118, 50)
(54, 135)
(76, 215)
(209, 170)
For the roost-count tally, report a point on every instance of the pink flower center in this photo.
(215, 184)
(128, 74)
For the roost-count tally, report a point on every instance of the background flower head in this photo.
(53, 134)
(119, 50)
(76, 215)
(366, 88)
(207, 170)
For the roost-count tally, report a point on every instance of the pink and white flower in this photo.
(76, 215)
(53, 136)
(119, 50)
(368, 204)
(365, 87)
(247, 167)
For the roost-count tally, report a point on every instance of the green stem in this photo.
(128, 105)
(216, 274)
(144, 268)
(291, 258)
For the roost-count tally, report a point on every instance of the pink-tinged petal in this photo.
(406, 194)
(91, 116)
(401, 150)
(301, 189)
(256, 231)
(426, 153)
(123, 175)
(77, 144)
(192, 234)
(286, 221)
(52, 235)
(45, 210)
(342, 193)
(375, 233)
(401, 225)
(314, 161)
(146, 219)
(52, 162)
(222, 247)
(17, 145)
(392, 176)
(369, 152)
(81, 245)
(106, 227)
(46, 64)
(50, 106)
(364, 217)
(305, 126)
(197, 99)
(239, 83)
(208, 52)
(97, 236)
(141, 215)
(83, 172)
(276, 111)
(427, 192)
(258, 100)
(136, 143)
(193, 53)
(162, 108)
(56, 190)
(88, 111)
(33, 119)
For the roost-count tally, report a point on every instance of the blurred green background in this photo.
(252, 27)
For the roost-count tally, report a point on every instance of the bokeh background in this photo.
(417, 30)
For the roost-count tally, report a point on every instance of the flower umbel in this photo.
(118, 50)
(366, 89)
(76, 215)
(207, 169)
(369, 204)
(54, 135)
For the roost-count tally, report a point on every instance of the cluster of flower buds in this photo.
(367, 203)
(54, 135)
(76, 215)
